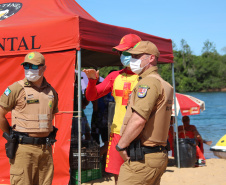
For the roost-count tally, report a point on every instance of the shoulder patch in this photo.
(142, 91)
(7, 92)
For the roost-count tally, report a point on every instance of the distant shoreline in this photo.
(215, 90)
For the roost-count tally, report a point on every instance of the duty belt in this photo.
(32, 140)
(155, 149)
(23, 138)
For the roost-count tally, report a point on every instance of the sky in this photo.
(195, 21)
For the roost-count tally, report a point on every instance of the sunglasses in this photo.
(31, 66)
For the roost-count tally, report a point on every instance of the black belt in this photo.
(155, 149)
(23, 138)
(32, 140)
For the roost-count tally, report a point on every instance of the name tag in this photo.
(32, 101)
(30, 96)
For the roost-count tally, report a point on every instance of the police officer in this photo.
(146, 123)
(33, 103)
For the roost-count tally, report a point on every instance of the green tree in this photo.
(197, 73)
(185, 52)
(208, 48)
(104, 71)
(224, 50)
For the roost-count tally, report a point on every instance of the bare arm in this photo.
(197, 134)
(135, 125)
(4, 124)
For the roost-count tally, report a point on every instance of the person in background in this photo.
(171, 135)
(85, 129)
(143, 144)
(99, 125)
(120, 84)
(190, 131)
(33, 102)
(84, 122)
(99, 122)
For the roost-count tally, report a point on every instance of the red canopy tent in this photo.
(58, 29)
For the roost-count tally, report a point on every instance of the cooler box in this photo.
(187, 152)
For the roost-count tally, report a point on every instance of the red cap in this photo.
(128, 41)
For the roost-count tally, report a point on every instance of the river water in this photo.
(211, 123)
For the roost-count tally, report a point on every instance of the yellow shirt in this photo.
(122, 88)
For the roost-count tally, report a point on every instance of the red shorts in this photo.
(113, 159)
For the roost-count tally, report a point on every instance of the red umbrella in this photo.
(188, 105)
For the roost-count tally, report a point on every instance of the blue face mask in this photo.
(125, 60)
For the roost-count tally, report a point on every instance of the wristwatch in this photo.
(119, 149)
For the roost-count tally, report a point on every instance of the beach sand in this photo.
(214, 173)
(211, 174)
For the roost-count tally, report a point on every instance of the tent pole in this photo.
(79, 114)
(175, 110)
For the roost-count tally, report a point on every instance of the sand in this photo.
(211, 174)
(214, 173)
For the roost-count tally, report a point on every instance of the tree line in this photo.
(196, 73)
(192, 73)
